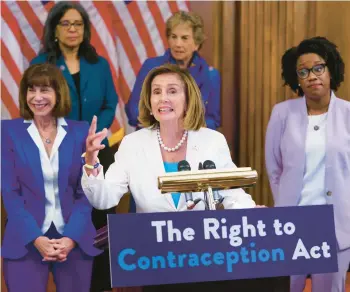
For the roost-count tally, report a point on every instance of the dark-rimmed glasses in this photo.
(65, 24)
(318, 70)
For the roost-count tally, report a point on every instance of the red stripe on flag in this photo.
(103, 8)
(101, 49)
(158, 19)
(32, 18)
(115, 126)
(126, 41)
(49, 5)
(11, 21)
(123, 88)
(173, 6)
(141, 27)
(8, 101)
(10, 64)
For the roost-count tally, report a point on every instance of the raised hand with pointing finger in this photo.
(93, 143)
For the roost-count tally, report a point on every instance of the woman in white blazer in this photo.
(172, 115)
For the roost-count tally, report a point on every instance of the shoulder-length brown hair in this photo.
(194, 116)
(44, 75)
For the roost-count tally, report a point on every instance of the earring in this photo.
(151, 113)
(299, 84)
(56, 40)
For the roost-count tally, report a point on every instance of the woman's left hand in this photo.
(260, 206)
(65, 245)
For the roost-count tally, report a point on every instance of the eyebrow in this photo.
(186, 35)
(80, 20)
(171, 84)
(316, 62)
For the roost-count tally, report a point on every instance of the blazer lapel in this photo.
(153, 153)
(193, 150)
(304, 122)
(65, 159)
(84, 74)
(155, 161)
(31, 152)
(332, 128)
(64, 69)
(192, 157)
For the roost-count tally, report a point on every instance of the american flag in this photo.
(126, 33)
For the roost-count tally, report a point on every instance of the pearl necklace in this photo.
(168, 148)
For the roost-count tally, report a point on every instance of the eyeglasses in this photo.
(318, 70)
(65, 24)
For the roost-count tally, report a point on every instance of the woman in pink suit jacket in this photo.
(307, 147)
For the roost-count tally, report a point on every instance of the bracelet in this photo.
(89, 166)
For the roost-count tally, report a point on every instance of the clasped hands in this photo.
(54, 250)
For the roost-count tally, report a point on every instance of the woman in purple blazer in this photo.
(307, 147)
(185, 35)
(48, 224)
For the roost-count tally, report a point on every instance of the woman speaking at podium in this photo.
(308, 147)
(172, 114)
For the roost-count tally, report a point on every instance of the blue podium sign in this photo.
(199, 246)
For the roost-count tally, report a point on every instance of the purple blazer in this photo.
(285, 158)
(207, 78)
(22, 188)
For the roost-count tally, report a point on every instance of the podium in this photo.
(275, 284)
(271, 284)
(183, 251)
(189, 181)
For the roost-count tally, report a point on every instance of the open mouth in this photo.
(40, 106)
(165, 110)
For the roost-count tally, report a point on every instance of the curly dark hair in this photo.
(48, 41)
(317, 45)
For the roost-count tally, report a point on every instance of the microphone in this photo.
(208, 164)
(185, 166)
(200, 166)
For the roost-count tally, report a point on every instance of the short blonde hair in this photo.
(194, 117)
(191, 18)
(45, 75)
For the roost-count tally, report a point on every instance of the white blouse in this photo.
(314, 191)
(49, 166)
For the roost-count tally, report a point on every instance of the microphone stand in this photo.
(209, 198)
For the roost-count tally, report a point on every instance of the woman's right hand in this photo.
(93, 142)
(46, 248)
